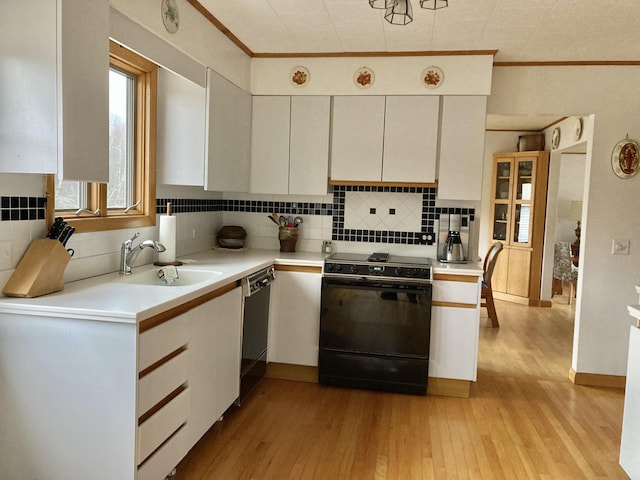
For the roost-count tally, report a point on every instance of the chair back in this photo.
(490, 262)
(562, 264)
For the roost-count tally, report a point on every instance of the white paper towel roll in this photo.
(168, 238)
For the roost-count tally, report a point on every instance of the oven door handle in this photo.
(382, 286)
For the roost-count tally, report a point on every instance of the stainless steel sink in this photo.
(186, 277)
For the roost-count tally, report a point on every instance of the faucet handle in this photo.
(130, 241)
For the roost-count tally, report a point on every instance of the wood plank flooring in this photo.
(524, 419)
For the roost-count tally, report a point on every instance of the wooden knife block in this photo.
(40, 271)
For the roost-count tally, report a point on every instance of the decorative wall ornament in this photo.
(299, 76)
(170, 16)
(432, 77)
(578, 129)
(364, 77)
(625, 158)
(555, 138)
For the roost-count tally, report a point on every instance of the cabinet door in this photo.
(228, 142)
(270, 145)
(522, 195)
(410, 139)
(28, 115)
(518, 272)
(214, 353)
(462, 147)
(453, 351)
(84, 110)
(54, 91)
(357, 134)
(181, 126)
(295, 325)
(501, 200)
(228, 311)
(309, 145)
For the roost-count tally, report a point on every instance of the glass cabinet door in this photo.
(501, 200)
(523, 199)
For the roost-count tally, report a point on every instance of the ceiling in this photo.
(520, 30)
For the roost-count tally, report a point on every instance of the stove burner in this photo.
(378, 257)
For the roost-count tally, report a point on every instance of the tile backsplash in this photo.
(349, 215)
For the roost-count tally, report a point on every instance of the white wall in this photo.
(612, 94)
(570, 189)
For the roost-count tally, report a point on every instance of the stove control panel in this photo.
(378, 270)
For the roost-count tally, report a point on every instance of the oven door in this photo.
(375, 334)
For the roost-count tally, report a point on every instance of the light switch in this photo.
(620, 246)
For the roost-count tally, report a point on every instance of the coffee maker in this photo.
(453, 238)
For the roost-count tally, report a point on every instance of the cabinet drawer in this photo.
(157, 428)
(166, 458)
(456, 292)
(159, 383)
(161, 340)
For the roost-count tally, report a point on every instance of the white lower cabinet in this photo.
(455, 324)
(294, 316)
(215, 350)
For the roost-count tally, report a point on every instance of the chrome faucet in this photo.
(129, 253)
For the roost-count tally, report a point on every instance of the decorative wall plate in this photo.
(625, 158)
(432, 77)
(578, 128)
(170, 16)
(364, 77)
(555, 138)
(299, 77)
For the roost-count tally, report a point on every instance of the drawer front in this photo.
(160, 464)
(157, 428)
(159, 383)
(160, 341)
(456, 292)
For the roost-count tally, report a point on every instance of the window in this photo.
(128, 200)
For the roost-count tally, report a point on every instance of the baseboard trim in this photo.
(546, 303)
(511, 298)
(287, 371)
(597, 379)
(445, 387)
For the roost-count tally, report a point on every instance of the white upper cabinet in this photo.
(462, 147)
(309, 145)
(378, 139)
(228, 143)
(357, 137)
(410, 139)
(270, 144)
(54, 88)
(181, 126)
(289, 145)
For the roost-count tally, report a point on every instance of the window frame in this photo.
(144, 215)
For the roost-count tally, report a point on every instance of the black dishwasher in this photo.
(255, 325)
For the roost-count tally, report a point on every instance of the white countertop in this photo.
(110, 298)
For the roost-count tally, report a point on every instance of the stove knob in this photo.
(398, 272)
(353, 268)
(412, 272)
(328, 267)
(338, 267)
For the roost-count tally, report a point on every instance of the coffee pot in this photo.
(453, 237)
(455, 250)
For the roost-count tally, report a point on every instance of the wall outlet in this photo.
(5, 255)
(620, 246)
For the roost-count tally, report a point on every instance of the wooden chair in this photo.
(487, 293)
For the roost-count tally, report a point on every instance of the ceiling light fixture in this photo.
(400, 12)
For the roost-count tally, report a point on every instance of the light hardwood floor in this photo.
(524, 419)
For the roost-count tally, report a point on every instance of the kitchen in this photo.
(608, 281)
